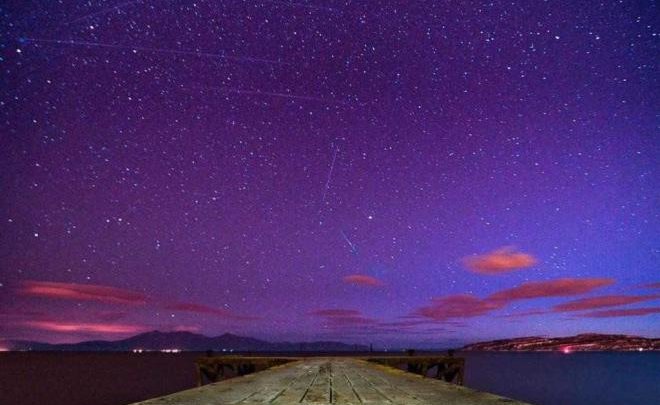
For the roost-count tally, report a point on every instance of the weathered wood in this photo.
(448, 368)
(214, 368)
(331, 380)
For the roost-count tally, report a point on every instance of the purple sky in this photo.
(402, 173)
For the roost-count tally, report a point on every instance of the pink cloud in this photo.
(653, 285)
(361, 279)
(70, 327)
(601, 302)
(502, 260)
(613, 313)
(457, 306)
(554, 288)
(82, 292)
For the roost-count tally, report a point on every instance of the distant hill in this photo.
(580, 343)
(185, 341)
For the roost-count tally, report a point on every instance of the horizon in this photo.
(404, 175)
(368, 346)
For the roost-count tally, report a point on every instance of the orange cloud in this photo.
(361, 279)
(613, 313)
(554, 288)
(84, 292)
(502, 260)
(69, 327)
(601, 302)
(457, 306)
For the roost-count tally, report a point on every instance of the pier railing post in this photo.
(199, 375)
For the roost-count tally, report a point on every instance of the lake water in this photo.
(122, 378)
(628, 378)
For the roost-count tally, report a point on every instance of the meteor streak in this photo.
(275, 94)
(155, 50)
(118, 7)
(327, 182)
(309, 6)
(351, 244)
(269, 93)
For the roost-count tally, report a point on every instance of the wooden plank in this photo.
(387, 387)
(431, 391)
(340, 381)
(272, 385)
(343, 393)
(361, 387)
(295, 392)
(319, 391)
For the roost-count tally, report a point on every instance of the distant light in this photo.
(641, 349)
(566, 350)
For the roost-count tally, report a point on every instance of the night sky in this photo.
(391, 172)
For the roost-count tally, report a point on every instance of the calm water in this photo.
(539, 378)
(568, 379)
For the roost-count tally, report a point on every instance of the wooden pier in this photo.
(330, 380)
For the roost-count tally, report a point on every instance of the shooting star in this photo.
(309, 6)
(155, 50)
(269, 94)
(351, 244)
(327, 182)
(104, 11)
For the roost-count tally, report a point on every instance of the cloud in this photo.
(84, 292)
(653, 285)
(203, 309)
(614, 313)
(499, 261)
(93, 292)
(69, 327)
(361, 279)
(601, 302)
(554, 288)
(458, 306)
(461, 306)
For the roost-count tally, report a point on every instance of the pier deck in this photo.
(331, 380)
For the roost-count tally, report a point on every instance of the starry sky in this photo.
(400, 173)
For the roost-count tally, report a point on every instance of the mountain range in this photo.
(586, 342)
(185, 341)
(188, 341)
